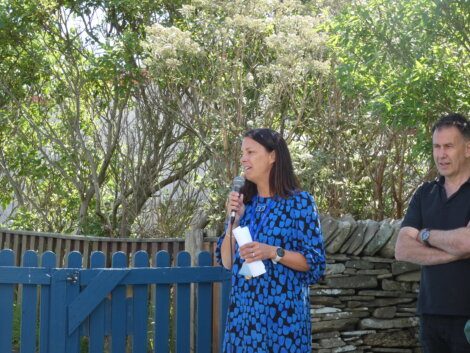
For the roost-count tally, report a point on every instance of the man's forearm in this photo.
(455, 242)
(410, 249)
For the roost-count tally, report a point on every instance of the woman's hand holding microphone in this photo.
(235, 205)
(253, 251)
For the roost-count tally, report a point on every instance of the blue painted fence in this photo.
(121, 309)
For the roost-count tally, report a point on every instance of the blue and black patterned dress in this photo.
(271, 313)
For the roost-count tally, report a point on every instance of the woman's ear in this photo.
(272, 157)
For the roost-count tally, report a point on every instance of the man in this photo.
(436, 234)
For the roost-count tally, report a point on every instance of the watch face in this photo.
(280, 252)
(425, 235)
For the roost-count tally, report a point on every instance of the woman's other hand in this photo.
(255, 251)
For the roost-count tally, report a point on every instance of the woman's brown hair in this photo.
(282, 180)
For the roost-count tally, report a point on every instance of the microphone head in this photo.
(238, 183)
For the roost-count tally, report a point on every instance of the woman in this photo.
(271, 313)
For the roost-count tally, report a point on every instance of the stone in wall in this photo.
(399, 338)
(360, 264)
(334, 325)
(379, 240)
(371, 229)
(329, 227)
(389, 285)
(400, 267)
(387, 312)
(410, 276)
(345, 228)
(356, 238)
(352, 282)
(373, 323)
(334, 269)
(388, 251)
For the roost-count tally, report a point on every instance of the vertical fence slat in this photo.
(74, 260)
(140, 308)
(204, 309)
(224, 302)
(49, 246)
(124, 247)
(162, 308)
(23, 245)
(68, 247)
(16, 248)
(28, 308)
(154, 250)
(7, 241)
(48, 260)
(104, 249)
(41, 245)
(86, 253)
(183, 308)
(7, 258)
(58, 332)
(114, 247)
(97, 318)
(58, 250)
(118, 313)
(133, 247)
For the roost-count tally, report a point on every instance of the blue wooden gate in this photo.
(122, 309)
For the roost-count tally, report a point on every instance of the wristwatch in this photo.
(424, 236)
(279, 255)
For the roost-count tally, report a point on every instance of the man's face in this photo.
(451, 151)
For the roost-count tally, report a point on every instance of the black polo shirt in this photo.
(444, 289)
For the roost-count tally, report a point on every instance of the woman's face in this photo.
(256, 161)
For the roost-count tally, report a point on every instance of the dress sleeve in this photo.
(218, 254)
(310, 239)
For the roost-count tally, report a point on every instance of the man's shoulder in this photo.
(428, 187)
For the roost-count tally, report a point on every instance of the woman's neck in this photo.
(263, 190)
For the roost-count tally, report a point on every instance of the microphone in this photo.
(237, 184)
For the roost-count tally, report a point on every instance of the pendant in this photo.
(248, 277)
(260, 208)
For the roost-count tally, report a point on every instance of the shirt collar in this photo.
(440, 180)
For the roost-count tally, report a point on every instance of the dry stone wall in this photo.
(366, 301)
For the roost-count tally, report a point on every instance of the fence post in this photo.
(193, 245)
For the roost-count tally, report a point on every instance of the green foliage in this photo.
(69, 144)
(123, 117)
(232, 66)
(399, 58)
(398, 67)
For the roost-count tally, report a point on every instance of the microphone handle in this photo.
(232, 217)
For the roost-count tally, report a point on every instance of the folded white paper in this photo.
(254, 269)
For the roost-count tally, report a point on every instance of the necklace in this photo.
(260, 208)
(264, 208)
